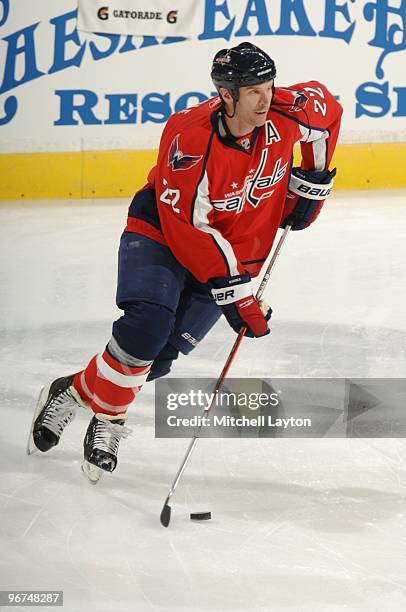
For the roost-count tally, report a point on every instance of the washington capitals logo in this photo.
(178, 160)
(258, 187)
(300, 101)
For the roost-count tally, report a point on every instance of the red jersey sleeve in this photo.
(318, 117)
(185, 211)
(319, 125)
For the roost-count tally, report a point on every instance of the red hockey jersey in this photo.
(217, 201)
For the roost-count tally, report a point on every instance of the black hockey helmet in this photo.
(241, 66)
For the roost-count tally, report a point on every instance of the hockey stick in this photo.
(165, 516)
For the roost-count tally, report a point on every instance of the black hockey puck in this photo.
(200, 516)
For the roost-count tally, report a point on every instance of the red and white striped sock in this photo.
(109, 385)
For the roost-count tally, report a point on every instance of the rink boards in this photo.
(89, 174)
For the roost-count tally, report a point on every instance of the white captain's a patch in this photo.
(271, 133)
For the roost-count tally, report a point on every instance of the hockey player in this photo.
(196, 233)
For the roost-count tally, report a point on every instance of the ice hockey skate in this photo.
(101, 445)
(56, 408)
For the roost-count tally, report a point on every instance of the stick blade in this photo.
(165, 515)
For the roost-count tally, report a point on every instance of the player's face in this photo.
(253, 103)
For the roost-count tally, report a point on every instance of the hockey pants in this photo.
(166, 311)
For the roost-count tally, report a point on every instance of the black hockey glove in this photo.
(307, 191)
(234, 296)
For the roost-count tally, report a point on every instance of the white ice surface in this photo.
(301, 525)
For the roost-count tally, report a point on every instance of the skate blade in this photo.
(91, 472)
(31, 448)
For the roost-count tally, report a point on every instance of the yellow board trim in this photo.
(106, 174)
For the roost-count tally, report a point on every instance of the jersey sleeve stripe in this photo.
(311, 134)
(320, 150)
(206, 157)
(320, 153)
(201, 210)
(296, 120)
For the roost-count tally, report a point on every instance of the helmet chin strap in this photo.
(234, 109)
(235, 97)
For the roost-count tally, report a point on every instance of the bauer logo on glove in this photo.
(307, 191)
(239, 306)
(221, 296)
